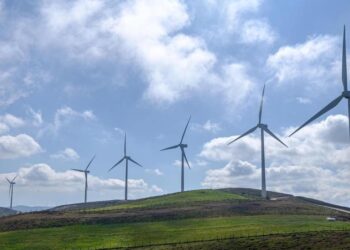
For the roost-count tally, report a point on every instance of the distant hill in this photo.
(25, 209)
(7, 211)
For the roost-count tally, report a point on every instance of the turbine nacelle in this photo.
(346, 94)
(183, 145)
(263, 126)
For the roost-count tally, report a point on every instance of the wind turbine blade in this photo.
(8, 180)
(344, 70)
(183, 151)
(169, 147)
(261, 104)
(135, 162)
(183, 134)
(331, 105)
(246, 133)
(274, 136)
(90, 162)
(79, 170)
(14, 178)
(122, 159)
(125, 144)
(10, 190)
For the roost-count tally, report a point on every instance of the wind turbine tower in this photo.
(182, 147)
(263, 128)
(127, 159)
(12, 183)
(86, 172)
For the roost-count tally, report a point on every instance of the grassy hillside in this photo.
(177, 199)
(147, 233)
(190, 216)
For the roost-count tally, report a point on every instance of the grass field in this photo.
(135, 234)
(206, 218)
(176, 199)
(325, 240)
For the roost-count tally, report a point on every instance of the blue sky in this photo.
(76, 75)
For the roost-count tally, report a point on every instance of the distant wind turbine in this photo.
(11, 189)
(345, 94)
(263, 128)
(182, 146)
(86, 172)
(127, 159)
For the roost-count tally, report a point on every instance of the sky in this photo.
(76, 75)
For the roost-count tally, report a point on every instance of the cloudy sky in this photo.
(76, 75)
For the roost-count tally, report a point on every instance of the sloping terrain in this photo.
(197, 215)
(7, 211)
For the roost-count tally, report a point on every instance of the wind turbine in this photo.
(11, 189)
(335, 102)
(182, 147)
(263, 128)
(127, 159)
(86, 172)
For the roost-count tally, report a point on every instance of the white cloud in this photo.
(316, 61)
(234, 174)
(68, 186)
(37, 119)
(173, 63)
(18, 77)
(236, 10)
(239, 22)
(12, 120)
(156, 171)
(195, 163)
(64, 116)
(9, 121)
(314, 165)
(234, 83)
(257, 31)
(21, 145)
(303, 100)
(208, 126)
(67, 154)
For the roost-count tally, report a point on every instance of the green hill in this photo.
(199, 217)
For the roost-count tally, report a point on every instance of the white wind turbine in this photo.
(263, 128)
(12, 183)
(86, 172)
(182, 147)
(345, 94)
(127, 159)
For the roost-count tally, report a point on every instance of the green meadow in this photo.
(161, 232)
